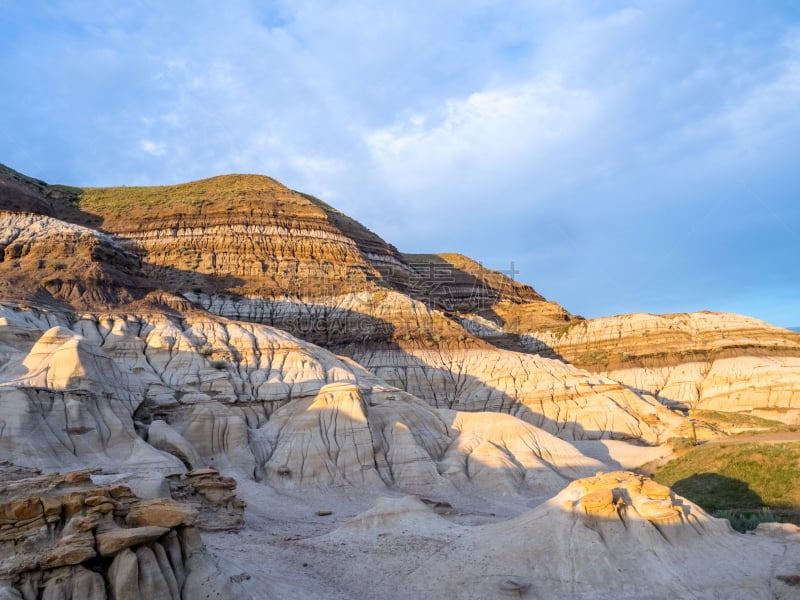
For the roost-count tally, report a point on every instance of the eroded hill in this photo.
(157, 336)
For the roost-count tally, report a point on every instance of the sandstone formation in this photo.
(62, 537)
(209, 391)
(548, 393)
(212, 496)
(327, 279)
(709, 361)
(48, 260)
(180, 343)
(603, 537)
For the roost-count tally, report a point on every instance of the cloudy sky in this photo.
(626, 156)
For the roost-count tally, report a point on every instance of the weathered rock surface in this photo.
(603, 537)
(152, 333)
(66, 403)
(431, 357)
(54, 528)
(277, 409)
(51, 261)
(711, 361)
(610, 536)
(240, 233)
(212, 499)
(550, 394)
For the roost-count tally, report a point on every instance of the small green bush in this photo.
(744, 521)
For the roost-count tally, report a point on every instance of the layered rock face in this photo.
(259, 252)
(711, 361)
(550, 394)
(457, 284)
(62, 537)
(239, 233)
(248, 248)
(202, 390)
(433, 358)
(22, 194)
(169, 339)
(45, 259)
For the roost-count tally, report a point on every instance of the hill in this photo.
(229, 355)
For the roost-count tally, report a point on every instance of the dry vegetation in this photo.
(225, 189)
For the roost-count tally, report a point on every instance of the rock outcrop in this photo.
(212, 496)
(52, 262)
(710, 361)
(62, 537)
(179, 340)
(433, 358)
(602, 537)
(203, 390)
(399, 330)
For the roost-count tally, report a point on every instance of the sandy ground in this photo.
(289, 551)
(621, 455)
(760, 438)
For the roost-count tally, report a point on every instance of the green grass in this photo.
(196, 193)
(728, 420)
(742, 479)
(567, 327)
(718, 475)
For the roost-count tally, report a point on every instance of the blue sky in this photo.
(627, 156)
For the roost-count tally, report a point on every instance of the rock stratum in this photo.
(65, 537)
(710, 361)
(228, 354)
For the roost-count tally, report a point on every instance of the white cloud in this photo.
(753, 123)
(152, 148)
(480, 126)
(486, 131)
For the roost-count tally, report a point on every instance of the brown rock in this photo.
(51, 505)
(96, 500)
(110, 543)
(70, 550)
(162, 512)
(29, 508)
(654, 490)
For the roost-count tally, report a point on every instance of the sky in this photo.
(625, 156)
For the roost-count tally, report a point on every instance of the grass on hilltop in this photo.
(746, 483)
(196, 193)
(726, 421)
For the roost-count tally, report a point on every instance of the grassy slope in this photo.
(730, 421)
(226, 188)
(733, 480)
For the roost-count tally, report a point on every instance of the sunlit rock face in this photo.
(712, 361)
(187, 343)
(249, 249)
(614, 535)
(62, 536)
(170, 394)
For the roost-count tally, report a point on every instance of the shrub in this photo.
(681, 442)
(743, 521)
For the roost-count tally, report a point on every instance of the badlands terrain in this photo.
(229, 389)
